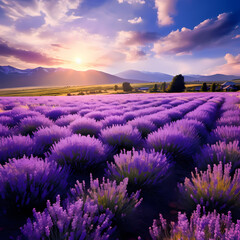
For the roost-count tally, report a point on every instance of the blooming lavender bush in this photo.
(79, 220)
(66, 120)
(143, 125)
(7, 121)
(219, 152)
(112, 120)
(15, 147)
(85, 126)
(213, 188)
(4, 131)
(95, 115)
(121, 137)
(142, 169)
(80, 152)
(28, 182)
(29, 125)
(54, 114)
(229, 121)
(108, 195)
(225, 134)
(201, 226)
(44, 138)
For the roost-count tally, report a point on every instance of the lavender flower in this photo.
(15, 147)
(213, 188)
(85, 126)
(7, 121)
(79, 220)
(4, 131)
(29, 125)
(28, 182)
(108, 195)
(229, 121)
(95, 115)
(66, 119)
(44, 138)
(201, 226)
(112, 120)
(225, 134)
(121, 137)
(54, 114)
(80, 152)
(219, 152)
(142, 169)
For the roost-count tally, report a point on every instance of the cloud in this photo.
(135, 20)
(136, 38)
(237, 36)
(165, 10)
(132, 1)
(232, 65)
(27, 55)
(207, 33)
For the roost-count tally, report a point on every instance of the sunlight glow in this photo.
(78, 60)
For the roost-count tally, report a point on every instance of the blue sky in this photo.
(170, 36)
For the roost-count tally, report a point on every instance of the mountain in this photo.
(145, 76)
(162, 77)
(11, 77)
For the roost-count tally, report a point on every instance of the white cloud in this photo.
(165, 10)
(135, 20)
(132, 1)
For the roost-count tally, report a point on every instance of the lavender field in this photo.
(134, 166)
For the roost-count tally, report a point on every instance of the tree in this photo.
(177, 84)
(204, 87)
(115, 87)
(127, 87)
(213, 87)
(155, 88)
(163, 87)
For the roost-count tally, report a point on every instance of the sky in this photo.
(168, 36)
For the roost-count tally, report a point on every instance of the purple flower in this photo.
(28, 182)
(15, 147)
(121, 137)
(95, 115)
(201, 226)
(143, 169)
(219, 152)
(7, 121)
(29, 125)
(113, 120)
(44, 138)
(108, 195)
(79, 220)
(213, 188)
(229, 121)
(80, 152)
(5, 131)
(85, 126)
(54, 114)
(66, 120)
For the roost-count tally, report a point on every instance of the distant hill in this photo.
(11, 77)
(162, 77)
(145, 76)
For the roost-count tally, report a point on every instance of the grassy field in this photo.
(83, 90)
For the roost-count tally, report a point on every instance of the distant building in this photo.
(229, 86)
(143, 88)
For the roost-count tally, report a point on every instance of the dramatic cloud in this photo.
(135, 20)
(231, 67)
(132, 1)
(237, 36)
(165, 10)
(27, 56)
(208, 32)
(136, 38)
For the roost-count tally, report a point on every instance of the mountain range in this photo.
(11, 77)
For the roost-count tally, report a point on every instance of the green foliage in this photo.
(163, 86)
(154, 88)
(177, 84)
(204, 87)
(127, 87)
(213, 87)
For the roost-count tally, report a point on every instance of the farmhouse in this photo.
(228, 86)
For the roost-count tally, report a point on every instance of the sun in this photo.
(78, 60)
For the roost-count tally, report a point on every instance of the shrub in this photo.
(229, 121)
(66, 120)
(143, 125)
(213, 188)
(80, 152)
(201, 226)
(44, 138)
(158, 119)
(113, 120)
(7, 121)
(54, 114)
(29, 125)
(142, 169)
(28, 182)
(79, 220)
(177, 84)
(219, 152)
(5, 131)
(95, 115)
(15, 147)
(225, 134)
(85, 126)
(121, 137)
(108, 195)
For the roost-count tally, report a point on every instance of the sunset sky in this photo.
(169, 36)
